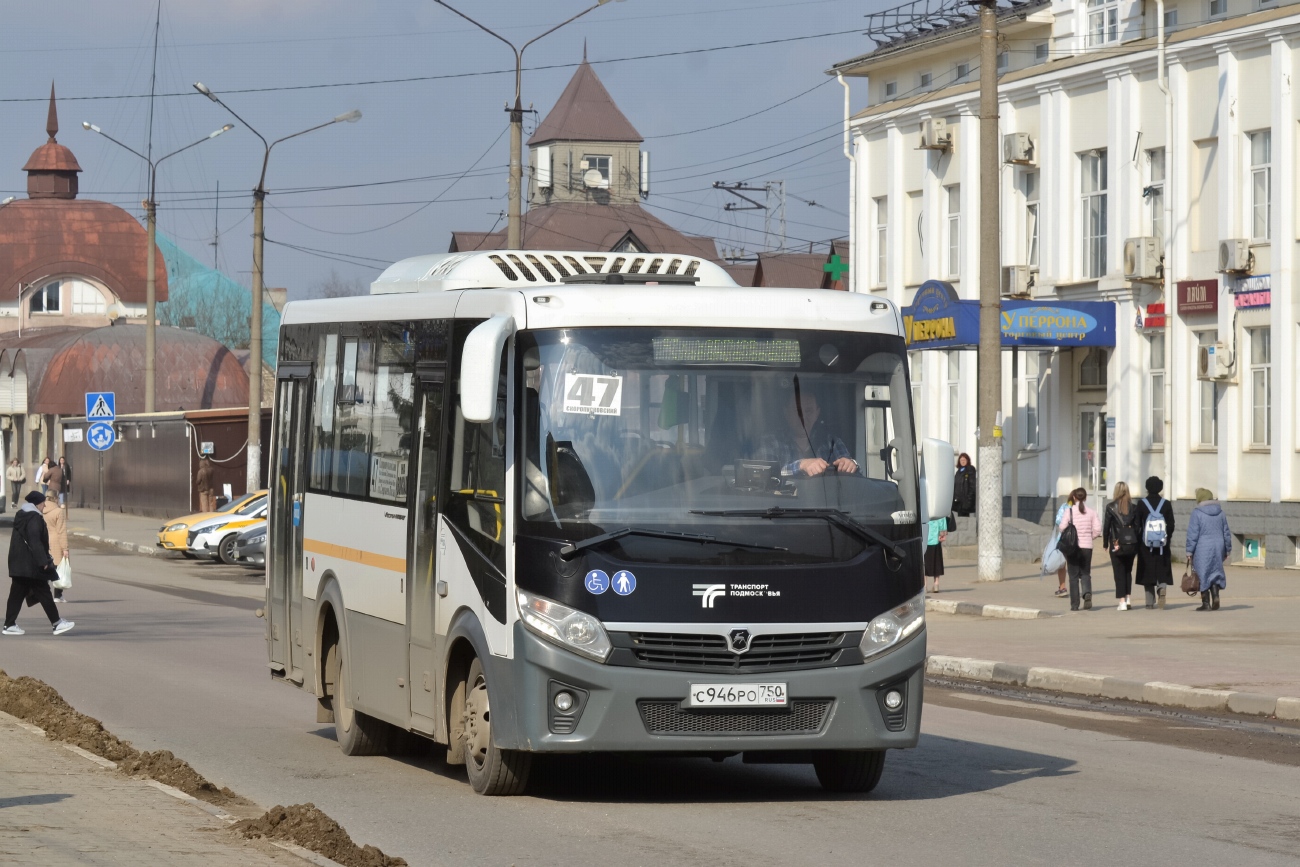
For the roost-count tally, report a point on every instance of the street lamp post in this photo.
(514, 224)
(253, 477)
(151, 294)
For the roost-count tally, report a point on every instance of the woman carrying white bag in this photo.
(57, 522)
(1053, 560)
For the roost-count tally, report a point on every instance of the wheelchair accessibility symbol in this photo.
(597, 582)
(100, 436)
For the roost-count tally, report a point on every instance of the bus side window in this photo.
(476, 483)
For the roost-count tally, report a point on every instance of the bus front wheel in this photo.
(849, 770)
(491, 770)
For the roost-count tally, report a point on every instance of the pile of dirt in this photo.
(38, 703)
(308, 827)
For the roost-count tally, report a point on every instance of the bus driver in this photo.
(806, 447)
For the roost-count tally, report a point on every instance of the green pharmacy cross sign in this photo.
(836, 268)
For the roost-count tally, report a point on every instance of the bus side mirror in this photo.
(937, 470)
(480, 368)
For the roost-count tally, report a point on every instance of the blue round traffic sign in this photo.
(100, 436)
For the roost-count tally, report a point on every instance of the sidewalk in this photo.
(132, 530)
(57, 808)
(1251, 644)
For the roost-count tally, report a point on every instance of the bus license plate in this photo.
(738, 695)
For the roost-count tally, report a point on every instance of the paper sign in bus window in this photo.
(589, 394)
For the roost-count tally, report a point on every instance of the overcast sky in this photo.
(314, 59)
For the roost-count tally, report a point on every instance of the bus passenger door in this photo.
(285, 520)
(423, 577)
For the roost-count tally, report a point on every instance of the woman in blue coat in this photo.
(1209, 542)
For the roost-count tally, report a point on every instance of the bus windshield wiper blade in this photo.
(837, 517)
(572, 548)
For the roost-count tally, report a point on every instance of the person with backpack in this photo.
(1155, 515)
(1209, 542)
(1120, 532)
(1079, 530)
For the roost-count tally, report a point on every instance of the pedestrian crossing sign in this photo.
(100, 406)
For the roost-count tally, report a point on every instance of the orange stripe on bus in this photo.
(356, 555)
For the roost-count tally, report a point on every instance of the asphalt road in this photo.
(169, 655)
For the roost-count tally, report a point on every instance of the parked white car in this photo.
(215, 537)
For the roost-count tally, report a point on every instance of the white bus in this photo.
(566, 502)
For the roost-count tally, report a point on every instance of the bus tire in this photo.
(357, 733)
(491, 770)
(849, 770)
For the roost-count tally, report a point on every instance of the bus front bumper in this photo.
(631, 709)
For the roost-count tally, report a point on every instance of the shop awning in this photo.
(938, 319)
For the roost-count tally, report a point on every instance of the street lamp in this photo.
(253, 476)
(151, 295)
(514, 227)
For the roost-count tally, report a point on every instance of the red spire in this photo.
(52, 120)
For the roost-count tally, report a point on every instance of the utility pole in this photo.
(989, 512)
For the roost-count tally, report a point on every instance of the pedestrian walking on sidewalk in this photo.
(56, 524)
(1120, 533)
(205, 485)
(1088, 525)
(41, 472)
(54, 482)
(1209, 542)
(937, 534)
(1155, 572)
(31, 568)
(67, 480)
(16, 476)
(1061, 572)
(964, 487)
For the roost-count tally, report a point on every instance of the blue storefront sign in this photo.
(938, 319)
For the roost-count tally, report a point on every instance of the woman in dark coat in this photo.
(1155, 572)
(31, 568)
(963, 487)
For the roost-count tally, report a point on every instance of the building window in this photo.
(1035, 368)
(46, 299)
(1103, 22)
(86, 299)
(1207, 410)
(599, 164)
(1154, 193)
(954, 396)
(1261, 387)
(882, 240)
(926, 79)
(1092, 372)
(1040, 51)
(1094, 221)
(891, 89)
(1218, 7)
(1156, 390)
(1261, 183)
(954, 230)
(1029, 186)
(963, 70)
(1171, 18)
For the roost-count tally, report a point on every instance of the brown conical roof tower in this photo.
(52, 169)
(585, 112)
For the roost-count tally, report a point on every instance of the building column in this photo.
(1054, 187)
(1283, 311)
(896, 149)
(1231, 414)
(1179, 176)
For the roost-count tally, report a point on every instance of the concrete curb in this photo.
(1097, 685)
(1005, 612)
(130, 547)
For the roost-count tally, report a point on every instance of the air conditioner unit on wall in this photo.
(1215, 362)
(1235, 255)
(1141, 259)
(935, 134)
(1018, 148)
(1016, 280)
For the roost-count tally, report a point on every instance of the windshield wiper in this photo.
(567, 552)
(837, 517)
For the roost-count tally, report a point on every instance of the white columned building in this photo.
(1203, 391)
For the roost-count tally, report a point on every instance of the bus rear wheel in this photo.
(357, 733)
(849, 770)
(491, 770)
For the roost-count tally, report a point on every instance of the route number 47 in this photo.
(589, 394)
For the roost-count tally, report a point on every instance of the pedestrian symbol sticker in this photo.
(597, 582)
(624, 582)
(100, 406)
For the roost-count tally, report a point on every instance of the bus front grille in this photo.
(693, 652)
(803, 717)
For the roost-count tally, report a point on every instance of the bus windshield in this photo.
(747, 437)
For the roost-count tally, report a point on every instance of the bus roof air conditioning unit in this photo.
(1214, 362)
(1234, 256)
(1018, 148)
(935, 135)
(1016, 281)
(1142, 259)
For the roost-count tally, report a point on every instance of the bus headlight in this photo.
(893, 626)
(559, 624)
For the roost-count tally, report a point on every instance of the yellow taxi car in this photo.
(173, 536)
